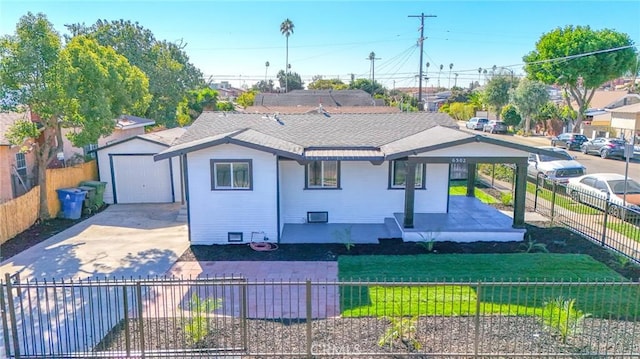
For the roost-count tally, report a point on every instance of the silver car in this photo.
(554, 168)
(495, 127)
(595, 189)
(476, 123)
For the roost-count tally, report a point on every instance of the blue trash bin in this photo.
(71, 200)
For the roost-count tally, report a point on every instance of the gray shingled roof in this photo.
(316, 136)
(317, 130)
(7, 119)
(167, 137)
(316, 97)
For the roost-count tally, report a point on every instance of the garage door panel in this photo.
(138, 179)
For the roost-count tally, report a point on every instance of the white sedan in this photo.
(595, 189)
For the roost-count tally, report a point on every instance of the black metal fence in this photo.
(231, 317)
(594, 215)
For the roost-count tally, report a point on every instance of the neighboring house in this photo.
(279, 175)
(597, 122)
(132, 176)
(626, 121)
(17, 169)
(314, 98)
(126, 126)
(226, 91)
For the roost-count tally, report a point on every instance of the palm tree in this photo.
(439, 73)
(286, 28)
(450, 68)
(266, 65)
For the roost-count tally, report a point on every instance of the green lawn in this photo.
(562, 200)
(626, 229)
(444, 297)
(461, 190)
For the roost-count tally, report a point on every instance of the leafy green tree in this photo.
(286, 28)
(367, 85)
(330, 84)
(166, 64)
(290, 81)
(460, 111)
(496, 93)
(194, 103)
(459, 94)
(510, 116)
(247, 98)
(583, 67)
(264, 86)
(83, 85)
(529, 97)
(225, 106)
(404, 101)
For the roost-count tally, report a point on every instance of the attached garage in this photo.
(131, 174)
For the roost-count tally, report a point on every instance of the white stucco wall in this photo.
(364, 196)
(131, 147)
(476, 149)
(213, 214)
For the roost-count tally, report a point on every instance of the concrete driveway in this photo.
(123, 240)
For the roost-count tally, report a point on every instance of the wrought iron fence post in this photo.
(127, 334)
(309, 313)
(140, 319)
(554, 188)
(535, 195)
(5, 325)
(243, 315)
(12, 317)
(476, 340)
(603, 240)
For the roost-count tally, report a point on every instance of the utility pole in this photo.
(421, 42)
(372, 71)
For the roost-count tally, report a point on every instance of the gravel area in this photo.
(345, 337)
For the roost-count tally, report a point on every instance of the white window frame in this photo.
(232, 186)
(21, 164)
(420, 175)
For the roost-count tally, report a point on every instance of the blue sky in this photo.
(232, 40)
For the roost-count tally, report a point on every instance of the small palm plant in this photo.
(560, 316)
(401, 330)
(196, 325)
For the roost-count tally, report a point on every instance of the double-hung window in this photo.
(231, 175)
(21, 164)
(323, 174)
(398, 174)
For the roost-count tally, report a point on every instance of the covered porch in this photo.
(468, 220)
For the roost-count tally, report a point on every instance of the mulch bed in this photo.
(556, 240)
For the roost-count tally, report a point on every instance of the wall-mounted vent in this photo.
(317, 217)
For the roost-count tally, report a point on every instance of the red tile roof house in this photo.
(307, 178)
(17, 170)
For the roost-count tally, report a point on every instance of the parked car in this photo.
(594, 189)
(495, 127)
(604, 147)
(477, 123)
(570, 141)
(554, 168)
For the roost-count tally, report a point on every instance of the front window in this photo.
(231, 175)
(21, 164)
(323, 174)
(399, 174)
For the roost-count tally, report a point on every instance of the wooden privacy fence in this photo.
(67, 177)
(19, 214)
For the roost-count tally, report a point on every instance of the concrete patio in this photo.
(468, 220)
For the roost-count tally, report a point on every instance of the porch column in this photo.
(520, 195)
(471, 179)
(409, 194)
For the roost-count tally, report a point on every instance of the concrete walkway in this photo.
(123, 240)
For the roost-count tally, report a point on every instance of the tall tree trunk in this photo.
(286, 68)
(43, 212)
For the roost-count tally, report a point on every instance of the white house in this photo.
(294, 178)
(131, 174)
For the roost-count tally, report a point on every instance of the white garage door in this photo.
(138, 179)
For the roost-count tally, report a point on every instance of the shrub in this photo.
(403, 330)
(560, 317)
(196, 325)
